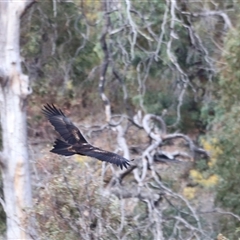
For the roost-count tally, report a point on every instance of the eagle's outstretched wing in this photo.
(91, 151)
(63, 125)
(74, 142)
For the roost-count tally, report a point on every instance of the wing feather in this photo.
(68, 131)
(91, 151)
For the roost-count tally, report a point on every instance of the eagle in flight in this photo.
(73, 141)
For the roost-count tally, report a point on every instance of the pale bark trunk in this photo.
(13, 92)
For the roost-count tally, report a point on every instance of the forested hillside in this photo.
(154, 81)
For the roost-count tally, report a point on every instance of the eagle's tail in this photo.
(62, 148)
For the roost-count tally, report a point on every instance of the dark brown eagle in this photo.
(73, 141)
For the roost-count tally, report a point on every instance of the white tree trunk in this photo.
(13, 92)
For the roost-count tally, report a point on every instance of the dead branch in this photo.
(223, 15)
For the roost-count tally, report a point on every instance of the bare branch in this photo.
(122, 142)
(132, 39)
(146, 125)
(105, 64)
(223, 15)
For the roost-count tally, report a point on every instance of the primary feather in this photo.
(73, 141)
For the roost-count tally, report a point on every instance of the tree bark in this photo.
(13, 93)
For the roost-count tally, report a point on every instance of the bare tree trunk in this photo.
(13, 92)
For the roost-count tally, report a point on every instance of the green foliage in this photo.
(226, 128)
(201, 165)
(157, 101)
(229, 125)
(228, 164)
(229, 83)
(229, 228)
(51, 47)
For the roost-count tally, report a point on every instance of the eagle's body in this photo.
(73, 141)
